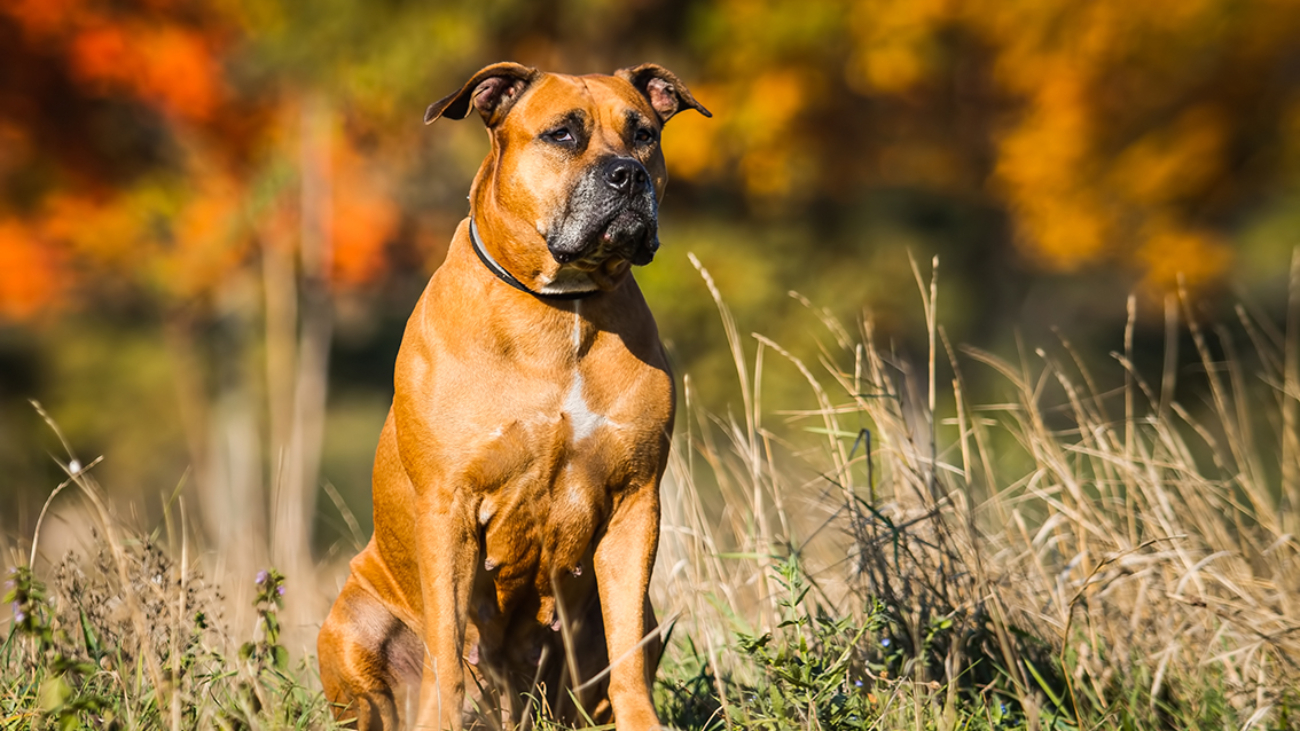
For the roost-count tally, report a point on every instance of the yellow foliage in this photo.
(1174, 161)
(891, 68)
(774, 99)
(1120, 117)
(691, 141)
(208, 241)
(1171, 252)
(1063, 232)
(893, 50)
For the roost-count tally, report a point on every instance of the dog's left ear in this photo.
(666, 93)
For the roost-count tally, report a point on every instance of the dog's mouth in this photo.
(627, 234)
(606, 251)
(605, 273)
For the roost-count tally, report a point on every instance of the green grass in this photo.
(76, 658)
(895, 557)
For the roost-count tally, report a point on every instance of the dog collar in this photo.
(509, 278)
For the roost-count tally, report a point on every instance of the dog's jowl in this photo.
(516, 484)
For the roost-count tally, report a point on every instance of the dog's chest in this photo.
(581, 404)
(577, 431)
(552, 455)
(547, 478)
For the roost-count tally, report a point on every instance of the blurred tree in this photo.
(1112, 133)
(251, 179)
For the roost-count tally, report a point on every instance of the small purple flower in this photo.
(279, 590)
(858, 683)
(885, 641)
(19, 615)
(262, 577)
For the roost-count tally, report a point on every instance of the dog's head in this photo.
(575, 172)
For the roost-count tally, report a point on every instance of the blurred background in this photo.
(215, 216)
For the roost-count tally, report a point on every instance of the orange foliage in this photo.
(183, 246)
(30, 273)
(171, 245)
(176, 233)
(362, 225)
(1105, 129)
(45, 18)
(171, 68)
(161, 62)
(364, 218)
(1175, 161)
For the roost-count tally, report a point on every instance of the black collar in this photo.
(509, 278)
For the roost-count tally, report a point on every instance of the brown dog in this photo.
(529, 430)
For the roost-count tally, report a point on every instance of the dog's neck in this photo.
(568, 284)
(532, 331)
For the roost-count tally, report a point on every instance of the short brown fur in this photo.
(516, 481)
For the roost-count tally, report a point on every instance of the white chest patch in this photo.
(584, 420)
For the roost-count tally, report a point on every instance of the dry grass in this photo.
(1070, 558)
(133, 637)
(1095, 569)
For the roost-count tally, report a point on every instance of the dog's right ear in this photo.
(492, 91)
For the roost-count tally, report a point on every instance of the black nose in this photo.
(626, 176)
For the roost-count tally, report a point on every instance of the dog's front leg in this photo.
(447, 550)
(623, 562)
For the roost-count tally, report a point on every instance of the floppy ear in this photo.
(492, 91)
(666, 93)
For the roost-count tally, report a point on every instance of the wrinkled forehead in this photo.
(606, 101)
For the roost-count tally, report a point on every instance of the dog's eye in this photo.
(644, 135)
(560, 135)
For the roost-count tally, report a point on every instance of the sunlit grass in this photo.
(1072, 557)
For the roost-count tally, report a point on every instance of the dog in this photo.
(516, 482)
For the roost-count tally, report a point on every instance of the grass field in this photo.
(1070, 557)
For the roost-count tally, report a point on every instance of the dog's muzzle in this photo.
(612, 212)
